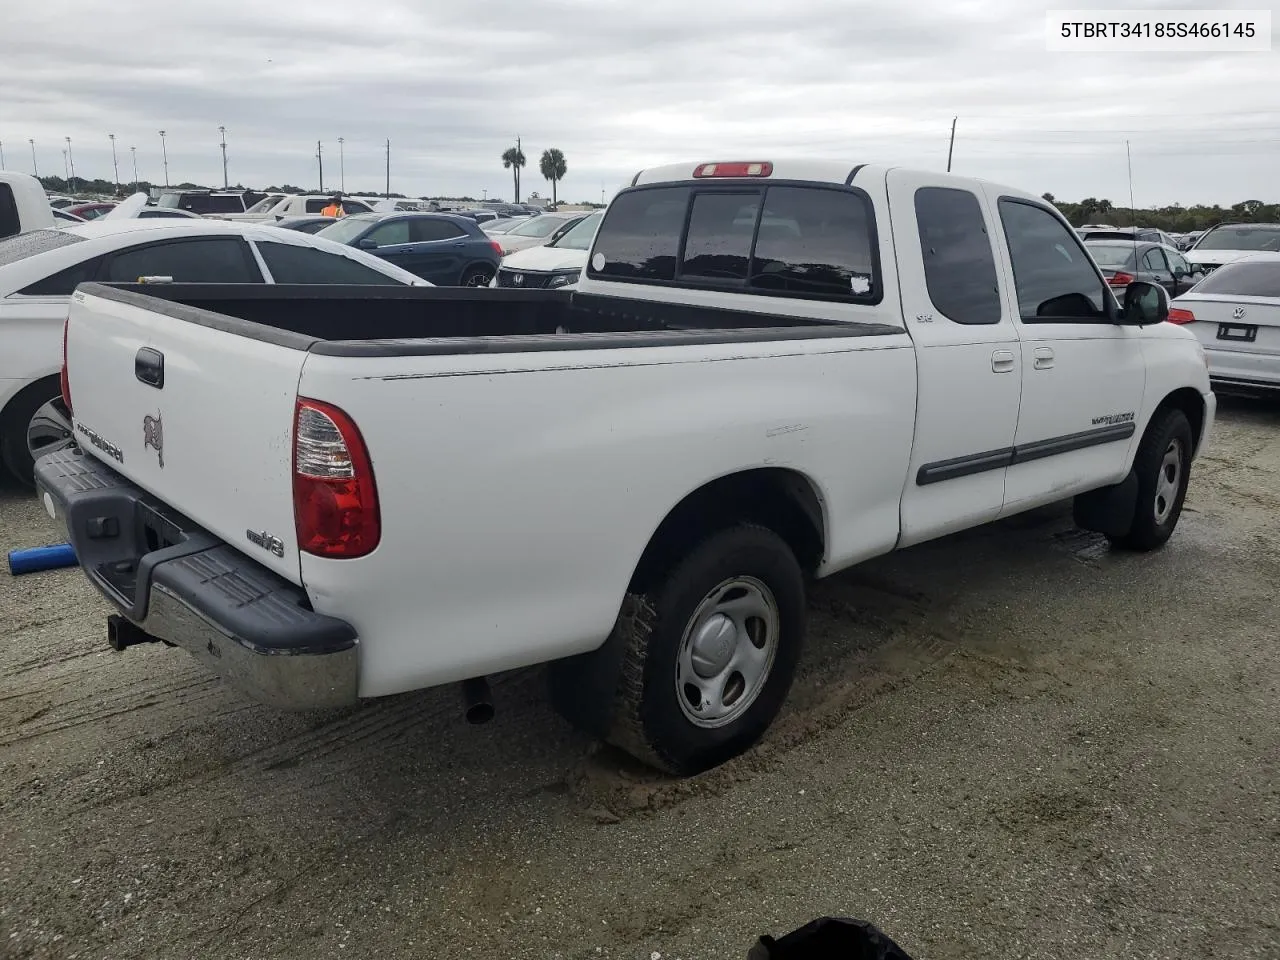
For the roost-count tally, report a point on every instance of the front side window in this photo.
(959, 265)
(294, 264)
(316, 206)
(221, 260)
(579, 236)
(390, 234)
(1055, 280)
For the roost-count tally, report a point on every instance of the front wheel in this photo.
(477, 277)
(709, 652)
(1163, 469)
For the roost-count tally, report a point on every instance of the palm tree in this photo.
(553, 167)
(513, 159)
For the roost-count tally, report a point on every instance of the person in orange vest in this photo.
(334, 209)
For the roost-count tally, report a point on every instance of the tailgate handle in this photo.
(148, 366)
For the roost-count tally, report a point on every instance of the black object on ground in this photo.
(830, 938)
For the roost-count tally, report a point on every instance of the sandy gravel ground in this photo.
(1011, 743)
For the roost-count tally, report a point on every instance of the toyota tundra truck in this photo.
(768, 372)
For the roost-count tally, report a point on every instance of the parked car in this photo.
(90, 211)
(480, 216)
(165, 213)
(503, 208)
(501, 225)
(1123, 261)
(1231, 241)
(61, 203)
(39, 271)
(1151, 234)
(310, 205)
(536, 231)
(553, 265)
(447, 250)
(214, 202)
(634, 480)
(1187, 240)
(64, 219)
(306, 224)
(1235, 312)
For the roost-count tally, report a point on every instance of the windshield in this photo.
(37, 241)
(1242, 238)
(1248, 279)
(537, 227)
(347, 229)
(580, 237)
(169, 200)
(501, 226)
(1111, 254)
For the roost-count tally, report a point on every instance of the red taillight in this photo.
(65, 382)
(497, 248)
(1179, 315)
(1121, 279)
(335, 501)
(761, 169)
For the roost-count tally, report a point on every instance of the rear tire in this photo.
(1163, 468)
(48, 426)
(708, 654)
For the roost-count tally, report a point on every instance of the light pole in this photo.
(115, 165)
(35, 168)
(223, 131)
(72, 160)
(388, 169)
(66, 171)
(1, 154)
(342, 165)
(164, 150)
(320, 160)
(134, 151)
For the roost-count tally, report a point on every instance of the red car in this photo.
(91, 211)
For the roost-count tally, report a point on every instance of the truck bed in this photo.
(347, 320)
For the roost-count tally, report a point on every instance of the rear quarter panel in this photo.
(518, 492)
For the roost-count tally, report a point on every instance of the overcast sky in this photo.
(623, 84)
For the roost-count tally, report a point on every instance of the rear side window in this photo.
(959, 265)
(1243, 280)
(640, 239)
(290, 264)
(793, 241)
(1055, 280)
(10, 222)
(64, 282)
(315, 206)
(354, 206)
(221, 260)
(224, 204)
(423, 230)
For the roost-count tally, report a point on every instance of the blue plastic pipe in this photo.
(35, 559)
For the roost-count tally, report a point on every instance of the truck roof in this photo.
(815, 171)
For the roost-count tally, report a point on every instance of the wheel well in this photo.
(1189, 401)
(42, 384)
(782, 500)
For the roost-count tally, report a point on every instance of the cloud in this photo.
(623, 85)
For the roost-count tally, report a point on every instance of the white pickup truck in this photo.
(768, 372)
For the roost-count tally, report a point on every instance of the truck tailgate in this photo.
(200, 417)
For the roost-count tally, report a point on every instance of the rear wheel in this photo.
(1163, 468)
(478, 276)
(35, 422)
(709, 653)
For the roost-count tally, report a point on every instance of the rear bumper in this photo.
(180, 584)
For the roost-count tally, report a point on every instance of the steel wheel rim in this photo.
(49, 429)
(727, 652)
(1168, 480)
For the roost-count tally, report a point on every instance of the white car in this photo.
(309, 205)
(535, 231)
(40, 269)
(1231, 241)
(552, 265)
(1235, 311)
(634, 481)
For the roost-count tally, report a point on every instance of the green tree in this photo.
(513, 159)
(553, 167)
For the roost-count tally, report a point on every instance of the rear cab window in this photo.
(808, 241)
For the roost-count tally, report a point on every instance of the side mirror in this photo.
(1145, 304)
(367, 243)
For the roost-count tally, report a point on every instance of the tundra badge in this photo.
(153, 436)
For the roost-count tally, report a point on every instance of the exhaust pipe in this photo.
(123, 633)
(478, 704)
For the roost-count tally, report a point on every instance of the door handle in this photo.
(1002, 361)
(1042, 358)
(148, 367)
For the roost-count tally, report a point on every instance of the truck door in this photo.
(1083, 374)
(968, 358)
